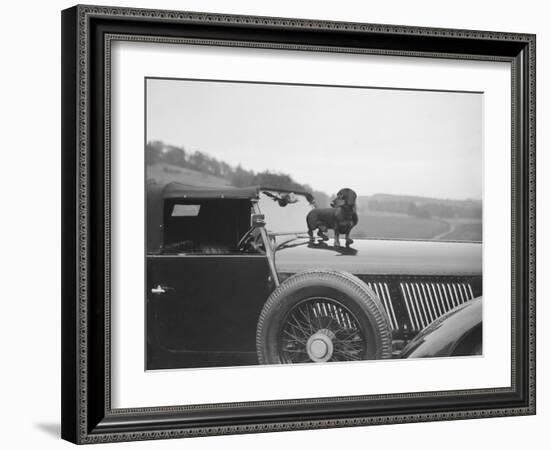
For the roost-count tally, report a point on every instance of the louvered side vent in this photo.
(425, 302)
(383, 293)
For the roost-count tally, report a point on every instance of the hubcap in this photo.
(319, 346)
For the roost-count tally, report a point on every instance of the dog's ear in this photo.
(348, 195)
(352, 197)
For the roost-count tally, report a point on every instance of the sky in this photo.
(372, 140)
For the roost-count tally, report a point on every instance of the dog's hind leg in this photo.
(321, 232)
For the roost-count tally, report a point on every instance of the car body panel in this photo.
(383, 257)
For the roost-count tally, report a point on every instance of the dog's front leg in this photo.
(336, 238)
(349, 240)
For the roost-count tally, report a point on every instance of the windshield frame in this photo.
(285, 199)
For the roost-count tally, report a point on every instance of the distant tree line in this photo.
(158, 152)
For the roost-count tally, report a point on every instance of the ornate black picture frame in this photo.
(87, 35)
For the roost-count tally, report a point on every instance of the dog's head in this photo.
(344, 197)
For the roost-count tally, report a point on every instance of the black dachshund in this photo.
(341, 218)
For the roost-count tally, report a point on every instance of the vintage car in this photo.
(233, 279)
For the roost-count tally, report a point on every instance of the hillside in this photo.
(167, 163)
(380, 215)
(166, 173)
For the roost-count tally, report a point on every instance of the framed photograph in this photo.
(278, 224)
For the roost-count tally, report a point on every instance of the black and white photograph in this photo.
(301, 223)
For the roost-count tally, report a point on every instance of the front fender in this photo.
(444, 336)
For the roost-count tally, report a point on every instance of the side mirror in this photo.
(257, 221)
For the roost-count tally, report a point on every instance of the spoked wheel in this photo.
(322, 316)
(321, 329)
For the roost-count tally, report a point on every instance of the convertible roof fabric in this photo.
(158, 192)
(179, 190)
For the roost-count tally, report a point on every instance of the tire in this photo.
(321, 316)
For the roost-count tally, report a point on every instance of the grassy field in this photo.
(397, 226)
(469, 231)
(402, 226)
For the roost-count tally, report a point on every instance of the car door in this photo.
(205, 303)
